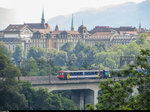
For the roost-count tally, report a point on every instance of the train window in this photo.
(73, 73)
(80, 73)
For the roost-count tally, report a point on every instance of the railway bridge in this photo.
(84, 91)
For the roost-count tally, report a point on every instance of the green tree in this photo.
(61, 58)
(80, 46)
(119, 95)
(142, 38)
(17, 55)
(47, 101)
(10, 97)
(67, 47)
(36, 53)
(4, 49)
(101, 46)
(30, 67)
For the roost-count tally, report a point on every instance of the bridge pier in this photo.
(83, 97)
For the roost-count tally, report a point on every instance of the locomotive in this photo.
(84, 74)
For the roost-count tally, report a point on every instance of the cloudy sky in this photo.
(30, 10)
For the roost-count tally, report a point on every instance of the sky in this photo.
(31, 10)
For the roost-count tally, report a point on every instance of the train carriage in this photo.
(84, 74)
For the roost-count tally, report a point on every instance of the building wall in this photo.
(11, 35)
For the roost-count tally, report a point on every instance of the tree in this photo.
(101, 46)
(67, 47)
(61, 58)
(36, 53)
(79, 47)
(71, 61)
(142, 38)
(4, 49)
(30, 67)
(85, 65)
(10, 97)
(118, 95)
(17, 55)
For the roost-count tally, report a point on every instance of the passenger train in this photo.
(84, 74)
(90, 74)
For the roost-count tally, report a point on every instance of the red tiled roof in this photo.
(125, 28)
(102, 34)
(43, 31)
(56, 32)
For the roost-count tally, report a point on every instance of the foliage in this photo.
(4, 49)
(41, 99)
(142, 38)
(67, 47)
(120, 95)
(18, 54)
(36, 53)
(30, 67)
(10, 97)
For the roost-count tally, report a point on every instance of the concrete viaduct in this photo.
(83, 91)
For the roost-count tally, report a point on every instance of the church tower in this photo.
(140, 25)
(72, 27)
(56, 28)
(42, 19)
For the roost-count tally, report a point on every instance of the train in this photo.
(84, 74)
(91, 74)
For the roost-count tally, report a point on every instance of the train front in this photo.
(61, 75)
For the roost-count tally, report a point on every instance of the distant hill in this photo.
(128, 14)
(7, 16)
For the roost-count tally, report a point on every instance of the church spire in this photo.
(140, 24)
(42, 19)
(56, 28)
(72, 27)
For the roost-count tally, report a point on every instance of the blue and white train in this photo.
(84, 74)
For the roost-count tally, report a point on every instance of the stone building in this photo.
(105, 37)
(41, 33)
(62, 37)
(17, 35)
